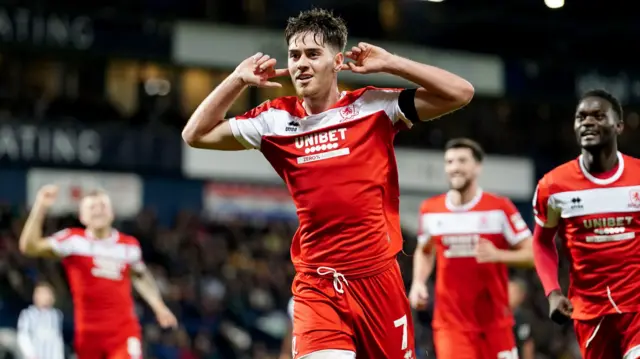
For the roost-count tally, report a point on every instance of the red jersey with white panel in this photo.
(470, 296)
(98, 271)
(598, 221)
(340, 168)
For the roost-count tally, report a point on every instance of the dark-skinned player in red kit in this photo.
(592, 204)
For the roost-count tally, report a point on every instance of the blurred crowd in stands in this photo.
(228, 283)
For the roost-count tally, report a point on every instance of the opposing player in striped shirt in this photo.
(592, 203)
(470, 235)
(40, 326)
(101, 264)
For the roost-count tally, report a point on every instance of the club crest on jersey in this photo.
(634, 198)
(349, 112)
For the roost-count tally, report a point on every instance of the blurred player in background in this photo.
(471, 235)
(334, 150)
(521, 326)
(101, 263)
(593, 204)
(40, 326)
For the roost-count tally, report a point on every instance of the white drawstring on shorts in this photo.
(338, 278)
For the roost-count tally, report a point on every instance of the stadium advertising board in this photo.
(248, 201)
(107, 148)
(125, 190)
(82, 33)
(421, 171)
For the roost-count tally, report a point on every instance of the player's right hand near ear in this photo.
(419, 296)
(258, 69)
(560, 308)
(47, 195)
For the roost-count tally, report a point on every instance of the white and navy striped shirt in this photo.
(40, 333)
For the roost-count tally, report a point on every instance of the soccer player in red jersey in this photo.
(471, 236)
(101, 264)
(593, 204)
(334, 151)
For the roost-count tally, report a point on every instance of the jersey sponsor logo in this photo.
(107, 268)
(322, 145)
(608, 229)
(323, 156)
(461, 246)
(326, 140)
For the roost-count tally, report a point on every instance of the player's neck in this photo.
(465, 196)
(321, 103)
(468, 194)
(600, 160)
(100, 233)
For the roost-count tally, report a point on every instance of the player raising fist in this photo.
(101, 264)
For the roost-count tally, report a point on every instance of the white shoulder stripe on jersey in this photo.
(474, 222)
(594, 201)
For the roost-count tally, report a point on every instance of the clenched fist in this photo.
(47, 195)
(418, 296)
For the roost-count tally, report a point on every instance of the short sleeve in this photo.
(135, 258)
(423, 230)
(61, 243)
(515, 228)
(290, 308)
(249, 127)
(545, 214)
(388, 100)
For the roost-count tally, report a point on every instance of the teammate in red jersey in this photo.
(101, 264)
(471, 235)
(593, 204)
(334, 150)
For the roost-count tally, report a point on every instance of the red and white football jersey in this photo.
(598, 221)
(470, 296)
(98, 272)
(340, 168)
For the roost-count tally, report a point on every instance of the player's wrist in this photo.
(554, 292)
(393, 65)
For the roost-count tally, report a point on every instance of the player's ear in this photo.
(619, 126)
(338, 60)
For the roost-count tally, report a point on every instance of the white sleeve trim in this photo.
(423, 239)
(233, 123)
(542, 223)
(57, 247)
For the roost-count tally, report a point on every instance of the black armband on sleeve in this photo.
(407, 104)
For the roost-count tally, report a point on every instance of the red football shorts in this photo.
(492, 344)
(610, 336)
(371, 317)
(108, 347)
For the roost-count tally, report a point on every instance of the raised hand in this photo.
(367, 59)
(47, 195)
(258, 69)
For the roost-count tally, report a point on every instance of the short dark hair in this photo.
(605, 95)
(319, 22)
(462, 142)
